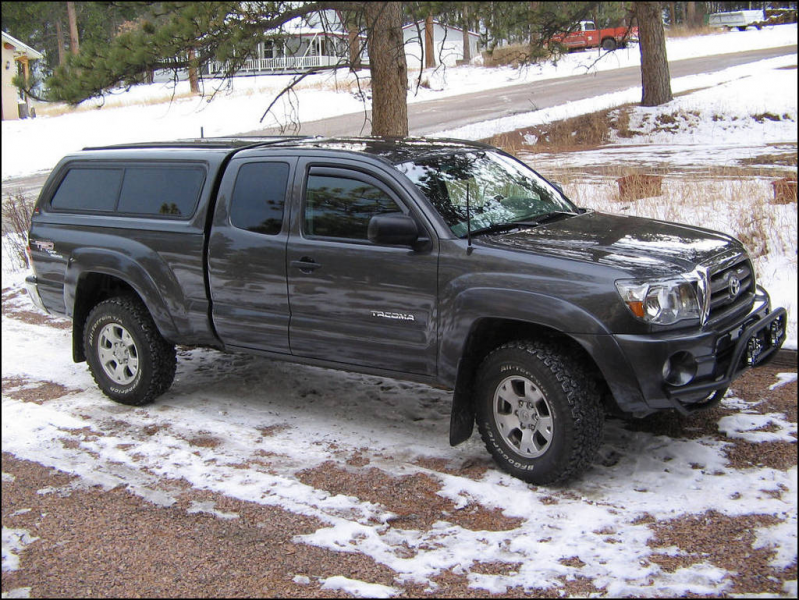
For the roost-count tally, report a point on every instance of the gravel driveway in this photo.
(67, 536)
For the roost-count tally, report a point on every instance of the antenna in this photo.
(469, 248)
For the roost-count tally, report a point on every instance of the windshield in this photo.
(500, 190)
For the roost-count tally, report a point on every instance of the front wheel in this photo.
(130, 361)
(538, 412)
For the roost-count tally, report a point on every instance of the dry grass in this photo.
(735, 200)
(346, 83)
(513, 55)
(583, 132)
(682, 31)
(57, 109)
(16, 222)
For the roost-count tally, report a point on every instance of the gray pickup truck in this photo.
(439, 261)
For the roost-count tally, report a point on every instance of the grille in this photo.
(732, 287)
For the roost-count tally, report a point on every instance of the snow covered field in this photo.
(285, 421)
(37, 144)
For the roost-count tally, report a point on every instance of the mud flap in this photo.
(461, 423)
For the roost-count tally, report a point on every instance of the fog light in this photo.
(776, 331)
(753, 349)
(680, 368)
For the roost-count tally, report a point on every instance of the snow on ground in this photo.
(34, 145)
(235, 398)
(486, 129)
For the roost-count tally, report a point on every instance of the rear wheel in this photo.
(538, 412)
(130, 361)
(609, 44)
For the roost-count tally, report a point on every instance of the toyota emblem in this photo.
(734, 286)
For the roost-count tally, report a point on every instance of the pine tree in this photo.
(186, 35)
(655, 76)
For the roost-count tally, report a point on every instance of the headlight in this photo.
(666, 301)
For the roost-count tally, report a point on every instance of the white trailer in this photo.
(739, 18)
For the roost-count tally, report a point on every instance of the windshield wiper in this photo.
(555, 215)
(534, 222)
(496, 228)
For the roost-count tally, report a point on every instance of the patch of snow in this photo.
(22, 592)
(783, 378)
(745, 426)
(780, 538)
(14, 541)
(209, 508)
(357, 588)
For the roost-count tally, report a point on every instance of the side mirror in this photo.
(393, 230)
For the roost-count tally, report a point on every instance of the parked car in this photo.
(441, 261)
(738, 18)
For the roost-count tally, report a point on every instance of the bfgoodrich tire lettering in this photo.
(130, 361)
(538, 412)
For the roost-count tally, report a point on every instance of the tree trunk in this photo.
(388, 68)
(673, 13)
(74, 44)
(467, 42)
(194, 85)
(355, 48)
(655, 76)
(429, 48)
(690, 14)
(59, 36)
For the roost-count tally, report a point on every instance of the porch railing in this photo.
(283, 63)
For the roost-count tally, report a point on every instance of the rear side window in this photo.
(148, 190)
(259, 197)
(88, 189)
(165, 191)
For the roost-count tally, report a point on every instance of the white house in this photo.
(16, 59)
(312, 42)
(447, 44)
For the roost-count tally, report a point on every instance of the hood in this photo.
(640, 247)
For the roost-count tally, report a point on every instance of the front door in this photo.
(353, 301)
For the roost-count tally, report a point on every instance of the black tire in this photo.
(742, 28)
(555, 434)
(609, 44)
(130, 361)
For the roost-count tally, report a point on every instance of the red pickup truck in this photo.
(588, 36)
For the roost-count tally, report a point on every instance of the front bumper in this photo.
(711, 359)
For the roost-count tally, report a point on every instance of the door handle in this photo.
(306, 264)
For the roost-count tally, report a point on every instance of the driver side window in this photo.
(340, 207)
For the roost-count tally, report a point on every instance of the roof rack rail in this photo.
(239, 141)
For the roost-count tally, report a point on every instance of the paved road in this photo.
(456, 111)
